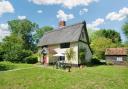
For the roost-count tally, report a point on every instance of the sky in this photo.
(98, 14)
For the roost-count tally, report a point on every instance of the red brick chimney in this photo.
(62, 23)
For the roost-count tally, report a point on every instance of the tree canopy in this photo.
(125, 29)
(11, 46)
(99, 45)
(40, 32)
(108, 33)
(25, 29)
(102, 39)
(21, 43)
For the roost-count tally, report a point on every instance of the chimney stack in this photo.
(62, 23)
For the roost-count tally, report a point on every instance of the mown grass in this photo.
(98, 77)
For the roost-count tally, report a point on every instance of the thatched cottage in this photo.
(74, 36)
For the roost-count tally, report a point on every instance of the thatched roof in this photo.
(116, 51)
(62, 35)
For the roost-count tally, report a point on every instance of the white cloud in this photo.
(4, 31)
(22, 17)
(96, 23)
(61, 15)
(83, 11)
(39, 11)
(66, 3)
(5, 7)
(120, 15)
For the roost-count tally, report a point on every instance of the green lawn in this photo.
(98, 77)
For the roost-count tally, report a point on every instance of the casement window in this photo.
(46, 46)
(119, 59)
(65, 45)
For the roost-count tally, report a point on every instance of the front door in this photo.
(45, 60)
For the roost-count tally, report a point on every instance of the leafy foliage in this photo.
(23, 54)
(31, 59)
(1, 52)
(108, 33)
(40, 32)
(70, 54)
(99, 45)
(25, 29)
(102, 39)
(82, 55)
(11, 46)
(6, 66)
(125, 29)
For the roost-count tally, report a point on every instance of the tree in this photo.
(11, 46)
(125, 29)
(40, 32)
(99, 46)
(25, 29)
(108, 33)
(1, 52)
(102, 39)
(13, 51)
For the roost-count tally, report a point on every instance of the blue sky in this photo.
(97, 13)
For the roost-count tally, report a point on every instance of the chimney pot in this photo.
(62, 23)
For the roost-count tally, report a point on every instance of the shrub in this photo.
(109, 62)
(95, 61)
(31, 59)
(23, 54)
(17, 56)
(1, 55)
(6, 66)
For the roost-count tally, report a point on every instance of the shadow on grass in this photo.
(95, 64)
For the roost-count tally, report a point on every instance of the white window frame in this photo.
(119, 59)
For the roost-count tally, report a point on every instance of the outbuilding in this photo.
(116, 55)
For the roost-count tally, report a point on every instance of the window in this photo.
(62, 58)
(65, 45)
(119, 59)
(45, 46)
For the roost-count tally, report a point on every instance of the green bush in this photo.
(31, 59)
(1, 53)
(23, 54)
(6, 66)
(109, 62)
(17, 56)
(95, 61)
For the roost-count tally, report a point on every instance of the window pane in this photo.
(119, 59)
(65, 45)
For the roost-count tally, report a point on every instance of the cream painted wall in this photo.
(52, 58)
(73, 45)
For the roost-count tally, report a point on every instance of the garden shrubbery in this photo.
(6, 66)
(95, 61)
(17, 56)
(31, 59)
(23, 54)
(109, 62)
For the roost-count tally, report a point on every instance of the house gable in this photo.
(83, 36)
